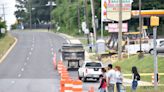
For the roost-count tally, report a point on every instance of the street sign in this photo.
(114, 27)
(106, 27)
(113, 9)
(96, 22)
(84, 26)
(103, 11)
(2, 30)
(86, 31)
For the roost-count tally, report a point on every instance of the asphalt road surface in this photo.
(29, 65)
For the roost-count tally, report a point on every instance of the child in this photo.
(102, 83)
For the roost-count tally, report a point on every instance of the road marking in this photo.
(51, 48)
(12, 82)
(25, 63)
(52, 53)
(19, 75)
(8, 51)
(68, 41)
(31, 48)
(30, 53)
(50, 39)
(51, 44)
(28, 58)
(22, 69)
(61, 58)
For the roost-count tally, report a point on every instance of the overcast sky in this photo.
(9, 11)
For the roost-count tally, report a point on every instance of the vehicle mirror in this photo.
(59, 50)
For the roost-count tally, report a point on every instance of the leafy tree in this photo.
(2, 25)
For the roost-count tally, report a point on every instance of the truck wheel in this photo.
(79, 76)
(84, 79)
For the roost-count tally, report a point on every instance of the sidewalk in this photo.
(87, 55)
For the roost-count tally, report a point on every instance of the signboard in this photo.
(104, 11)
(113, 9)
(2, 30)
(84, 26)
(114, 27)
(86, 31)
(96, 23)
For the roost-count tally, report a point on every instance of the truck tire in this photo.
(79, 76)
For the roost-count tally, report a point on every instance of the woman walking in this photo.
(119, 77)
(135, 78)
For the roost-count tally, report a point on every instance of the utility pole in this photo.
(4, 12)
(51, 15)
(30, 12)
(93, 20)
(140, 25)
(120, 31)
(78, 17)
(86, 9)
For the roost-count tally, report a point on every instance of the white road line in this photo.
(30, 53)
(25, 63)
(12, 82)
(31, 48)
(51, 48)
(52, 53)
(22, 69)
(33, 38)
(50, 39)
(61, 58)
(68, 41)
(28, 58)
(51, 44)
(19, 75)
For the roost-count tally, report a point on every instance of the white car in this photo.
(90, 69)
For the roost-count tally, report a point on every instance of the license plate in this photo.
(95, 75)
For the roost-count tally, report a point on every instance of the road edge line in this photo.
(8, 51)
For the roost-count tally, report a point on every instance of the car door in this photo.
(81, 69)
(160, 49)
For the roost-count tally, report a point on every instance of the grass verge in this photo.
(144, 65)
(5, 43)
(85, 42)
(146, 89)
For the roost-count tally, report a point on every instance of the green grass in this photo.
(46, 30)
(85, 42)
(145, 65)
(146, 89)
(94, 51)
(5, 43)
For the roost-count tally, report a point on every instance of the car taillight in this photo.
(86, 70)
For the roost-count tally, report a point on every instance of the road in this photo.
(29, 65)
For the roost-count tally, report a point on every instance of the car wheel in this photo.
(79, 76)
(152, 52)
(84, 79)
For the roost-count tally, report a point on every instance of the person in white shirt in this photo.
(111, 79)
(119, 77)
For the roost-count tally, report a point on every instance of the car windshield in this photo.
(93, 64)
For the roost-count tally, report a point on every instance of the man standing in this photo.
(48, 28)
(111, 79)
(90, 47)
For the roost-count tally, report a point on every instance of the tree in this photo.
(2, 25)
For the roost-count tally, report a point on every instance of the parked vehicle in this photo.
(73, 55)
(151, 46)
(160, 49)
(90, 69)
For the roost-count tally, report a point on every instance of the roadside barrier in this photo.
(54, 62)
(68, 87)
(91, 89)
(153, 78)
(64, 70)
(77, 86)
(60, 66)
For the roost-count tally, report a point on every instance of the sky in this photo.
(9, 11)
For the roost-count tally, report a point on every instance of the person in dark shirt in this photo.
(102, 84)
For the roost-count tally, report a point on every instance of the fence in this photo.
(39, 26)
